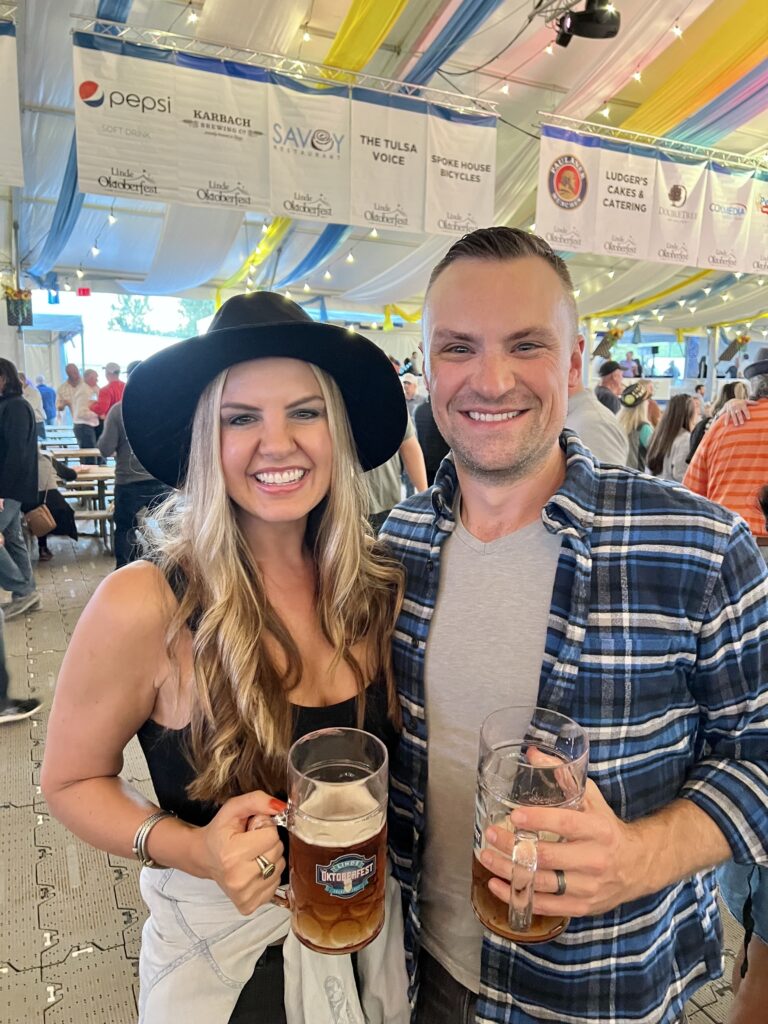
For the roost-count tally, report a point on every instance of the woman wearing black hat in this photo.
(264, 611)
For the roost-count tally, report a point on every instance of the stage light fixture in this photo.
(598, 20)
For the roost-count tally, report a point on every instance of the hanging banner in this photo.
(222, 150)
(678, 210)
(389, 143)
(11, 170)
(756, 261)
(125, 118)
(566, 200)
(309, 150)
(725, 225)
(460, 172)
(624, 187)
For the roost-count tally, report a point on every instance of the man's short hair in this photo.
(608, 367)
(500, 244)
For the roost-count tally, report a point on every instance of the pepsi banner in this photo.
(461, 171)
(158, 124)
(389, 144)
(636, 202)
(11, 170)
(125, 119)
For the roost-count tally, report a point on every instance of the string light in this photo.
(638, 76)
(327, 275)
(677, 31)
(655, 311)
(576, 292)
(80, 273)
(549, 49)
(725, 298)
(288, 294)
(706, 290)
(611, 274)
(505, 89)
(739, 274)
(95, 250)
(350, 257)
(681, 303)
(373, 233)
(264, 228)
(606, 111)
(67, 286)
(660, 317)
(192, 16)
(249, 281)
(307, 37)
(691, 309)
(306, 287)
(760, 281)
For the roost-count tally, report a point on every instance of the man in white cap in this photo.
(111, 393)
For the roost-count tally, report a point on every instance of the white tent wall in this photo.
(10, 345)
(41, 355)
(397, 343)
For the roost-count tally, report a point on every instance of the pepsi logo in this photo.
(91, 93)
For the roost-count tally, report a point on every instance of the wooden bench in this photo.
(104, 519)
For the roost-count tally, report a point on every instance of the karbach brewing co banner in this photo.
(11, 171)
(160, 125)
(609, 197)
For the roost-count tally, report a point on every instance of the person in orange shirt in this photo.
(731, 463)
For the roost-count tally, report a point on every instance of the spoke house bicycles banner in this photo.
(615, 198)
(156, 124)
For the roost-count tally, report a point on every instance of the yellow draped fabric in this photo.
(274, 236)
(650, 299)
(739, 45)
(365, 27)
(392, 310)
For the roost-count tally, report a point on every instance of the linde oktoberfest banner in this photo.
(461, 171)
(161, 125)
(615, 198)
(309, 155)
(389, 143)
(11, 171)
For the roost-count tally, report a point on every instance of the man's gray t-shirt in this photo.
(485, 649)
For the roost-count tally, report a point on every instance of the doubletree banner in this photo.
(11, 171)
(616, 198)
(157, 124)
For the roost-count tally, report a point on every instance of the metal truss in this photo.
(741, 161)
(302, 69)
(7, 11)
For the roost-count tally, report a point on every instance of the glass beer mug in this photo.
(546, 767)
(337, 818)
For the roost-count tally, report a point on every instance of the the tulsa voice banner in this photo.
(616, 198)
(11, 171)
(160, 125)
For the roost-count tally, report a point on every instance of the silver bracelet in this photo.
(140, 839)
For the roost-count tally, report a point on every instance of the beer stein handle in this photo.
(282, 897)
(524, 860)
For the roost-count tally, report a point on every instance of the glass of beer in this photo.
(337, 818)
(547, 766)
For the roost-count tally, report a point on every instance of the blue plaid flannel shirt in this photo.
(657, 643)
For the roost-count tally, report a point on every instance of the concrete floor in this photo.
(71, 916)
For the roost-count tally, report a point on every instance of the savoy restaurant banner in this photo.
(615, 198)
(160, 125)
(11, 171)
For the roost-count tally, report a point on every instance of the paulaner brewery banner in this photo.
(11, 171)
(176, 127)
(615, 198)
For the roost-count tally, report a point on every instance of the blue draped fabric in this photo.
(459, 28)
(744, 100)
(326, 244)
(457, 31)
(70, 200)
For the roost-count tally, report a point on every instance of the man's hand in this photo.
(603, 859)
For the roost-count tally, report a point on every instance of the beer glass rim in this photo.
(521, 741)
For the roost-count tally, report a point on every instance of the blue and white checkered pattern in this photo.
(657, 644)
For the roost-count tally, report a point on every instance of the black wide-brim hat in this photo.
(760, 365)
(162, 393)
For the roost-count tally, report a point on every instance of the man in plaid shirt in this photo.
(537, 576)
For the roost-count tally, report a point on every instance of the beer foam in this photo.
(337, 814)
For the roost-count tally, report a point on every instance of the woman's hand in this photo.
(228, 851)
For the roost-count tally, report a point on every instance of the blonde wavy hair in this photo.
(242, 720)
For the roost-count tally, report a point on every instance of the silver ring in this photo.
(560, 876)
(268, 868)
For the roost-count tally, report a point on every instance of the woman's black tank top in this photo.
(171, 772)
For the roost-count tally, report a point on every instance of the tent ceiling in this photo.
(537, 82)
